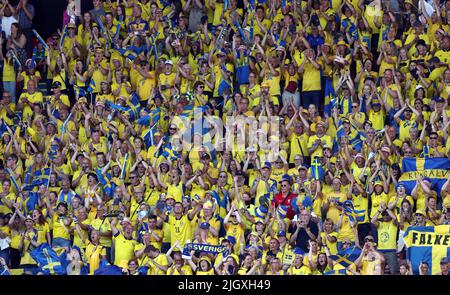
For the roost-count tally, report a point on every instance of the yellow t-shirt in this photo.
(32, 98)
(311, 80)
(180, 229)
(94, 255)
(124, 250)
(387, 236)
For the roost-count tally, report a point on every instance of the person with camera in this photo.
(303, 230)
(387, 228)
(371, 261)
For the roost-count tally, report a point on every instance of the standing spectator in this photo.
(25, 15)
(17, 41)
(303, 230)
(7, 18)
(387, 236)
(98, 10)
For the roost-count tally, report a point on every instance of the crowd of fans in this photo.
(357, 86)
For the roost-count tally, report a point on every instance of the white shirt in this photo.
(7, 21)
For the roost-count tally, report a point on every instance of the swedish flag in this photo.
(188, 111)
(48, 261)
(330, 97)
(353, 215)
(347, 257)
(435, 169)
(91, 86)
(150, 119)
(427, 244)
(79, 91)
(317, 171)
(169, 152)
(13, 180)
(3, 128)
(425, 152)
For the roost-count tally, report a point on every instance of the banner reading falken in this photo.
(427, 244)
(436, 169)
(215, 249)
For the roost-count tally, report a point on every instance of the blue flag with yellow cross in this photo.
(434, 169)
(48, 260)
(427, 244)
(347, 257)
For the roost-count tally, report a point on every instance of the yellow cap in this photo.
(205, 258)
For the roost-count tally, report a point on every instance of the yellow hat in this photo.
(265, 84)
(408, 2)
(420, 212)
(205, 258)
(82, 99)
(343, 43)
(378, 183)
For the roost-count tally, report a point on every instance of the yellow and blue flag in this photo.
(347, 257)
(13, 180)
(91, 86)
(330, 97)
(427, 244)
(433, 169)
(48, 260)
(353, 215)
(317, 171)
(425, 152)
(40, 177)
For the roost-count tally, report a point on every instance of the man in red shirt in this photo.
(285, 196)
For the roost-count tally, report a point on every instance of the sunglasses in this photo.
(433, 137)
(354, 107)
(284, 185)
(368, 240)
